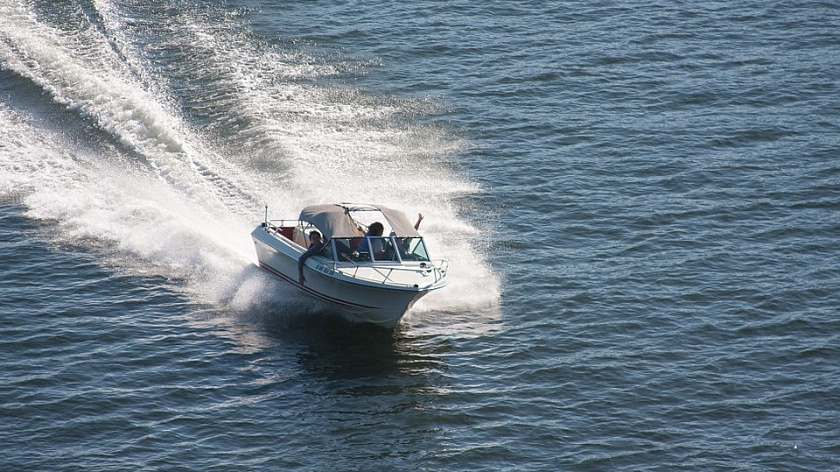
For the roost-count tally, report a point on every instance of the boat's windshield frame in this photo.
(353, 250)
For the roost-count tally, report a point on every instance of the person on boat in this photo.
(377, 244)
(316, 244)
(419, 219)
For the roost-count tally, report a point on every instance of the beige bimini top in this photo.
(336, 220)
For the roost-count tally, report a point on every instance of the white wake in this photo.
(180, 197)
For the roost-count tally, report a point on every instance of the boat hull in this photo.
(358, 300)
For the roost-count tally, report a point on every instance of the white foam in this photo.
(183, 201)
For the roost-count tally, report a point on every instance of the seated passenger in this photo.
(377, 244)
(316, 244)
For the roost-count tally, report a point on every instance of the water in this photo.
(639, 202)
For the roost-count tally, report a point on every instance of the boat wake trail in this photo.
(161, 130)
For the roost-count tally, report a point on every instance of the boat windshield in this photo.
(378, 249)
(412, 249)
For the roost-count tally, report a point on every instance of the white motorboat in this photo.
(376, 286)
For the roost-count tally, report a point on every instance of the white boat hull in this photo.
(357, 297)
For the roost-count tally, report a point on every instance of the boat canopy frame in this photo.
(336, 220)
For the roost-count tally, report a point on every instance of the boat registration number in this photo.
(324, 269)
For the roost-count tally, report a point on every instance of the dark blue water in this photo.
(640, 204)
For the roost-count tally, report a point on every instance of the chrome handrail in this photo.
(438, 268)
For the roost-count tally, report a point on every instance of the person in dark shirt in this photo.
(316, 244)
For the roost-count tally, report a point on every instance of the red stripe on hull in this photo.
(309, 291)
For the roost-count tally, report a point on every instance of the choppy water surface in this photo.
(640, 203)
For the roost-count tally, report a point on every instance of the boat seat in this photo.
(286, 231)
(299, 238)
